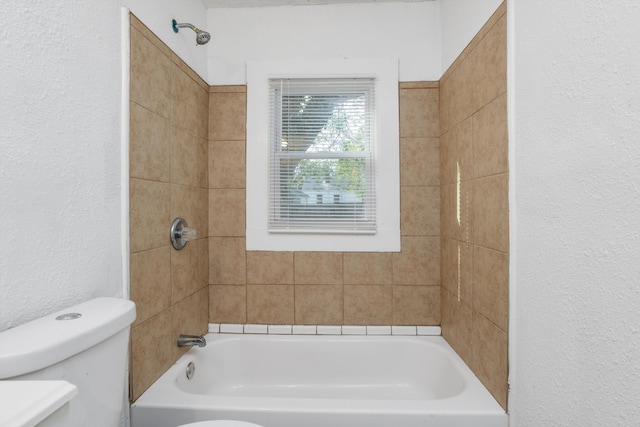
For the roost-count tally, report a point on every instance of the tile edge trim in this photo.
(377, 330)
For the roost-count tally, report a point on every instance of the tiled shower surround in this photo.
(168, 178)
(178, 124)
(475, 209)
(331, 288)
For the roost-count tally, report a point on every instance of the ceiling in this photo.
(263, 3)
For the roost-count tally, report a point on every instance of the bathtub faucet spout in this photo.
(191, 340)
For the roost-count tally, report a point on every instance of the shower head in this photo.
(202, 37)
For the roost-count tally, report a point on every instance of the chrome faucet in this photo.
(191, 340)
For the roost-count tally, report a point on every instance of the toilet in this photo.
(220, 423)
(84, 346)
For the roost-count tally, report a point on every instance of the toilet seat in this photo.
(220, 423)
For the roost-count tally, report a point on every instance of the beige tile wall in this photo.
(475, 211)
(330, 288)
(168, 178)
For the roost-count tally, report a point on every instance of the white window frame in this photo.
(387, 180)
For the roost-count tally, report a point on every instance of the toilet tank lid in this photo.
(43, 342)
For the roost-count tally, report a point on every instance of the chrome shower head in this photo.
(202, 37)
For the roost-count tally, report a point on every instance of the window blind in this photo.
(322, 152)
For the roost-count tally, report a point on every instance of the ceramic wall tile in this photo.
(490, 78)
(319, 304)
(189, 104)
(420, 211)
(150, 84)
(270, 304)
(190, 73)
(447, 159)
(202, 162)
(490, 362)
(227, 164)
(269, 268)
(150, 145)
(419, 115)
(201, 217)
(203, 261)
(419, 162)
(318, 268)
(418, 263)
(227, 212)
(184, 152)
(416, 305)
(460, 167)
(457, 268)
(368, 268)
(457, 323)
(185, 275)
(137, 25)
(490, 142)
(227, 116)
(491, 285)
(456, 210)
(228, 304)
(461, 85)
(368, 305)
(227, 261)
(151, 351)
(150, 282)
(185, 204)
(491, 212)
(149, 214)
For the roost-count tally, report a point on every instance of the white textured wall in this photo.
(407, 31)
(461, 20)
(60, 162)
(575, 276)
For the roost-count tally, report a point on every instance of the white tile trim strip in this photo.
(404, 330)
(280, 329)
(304, 329)
(354, 330)
(329, 330)
(378, 330)
(235, 328)
(429, 330)
(227, 328)
(256, 329)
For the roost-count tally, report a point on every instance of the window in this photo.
(322, 169)
(322, 156)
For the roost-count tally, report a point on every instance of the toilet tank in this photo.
(85, 345)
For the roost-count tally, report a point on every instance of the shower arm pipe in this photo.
(184, 25)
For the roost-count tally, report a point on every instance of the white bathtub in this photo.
(321, 381)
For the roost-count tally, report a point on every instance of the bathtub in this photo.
(320, 381)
